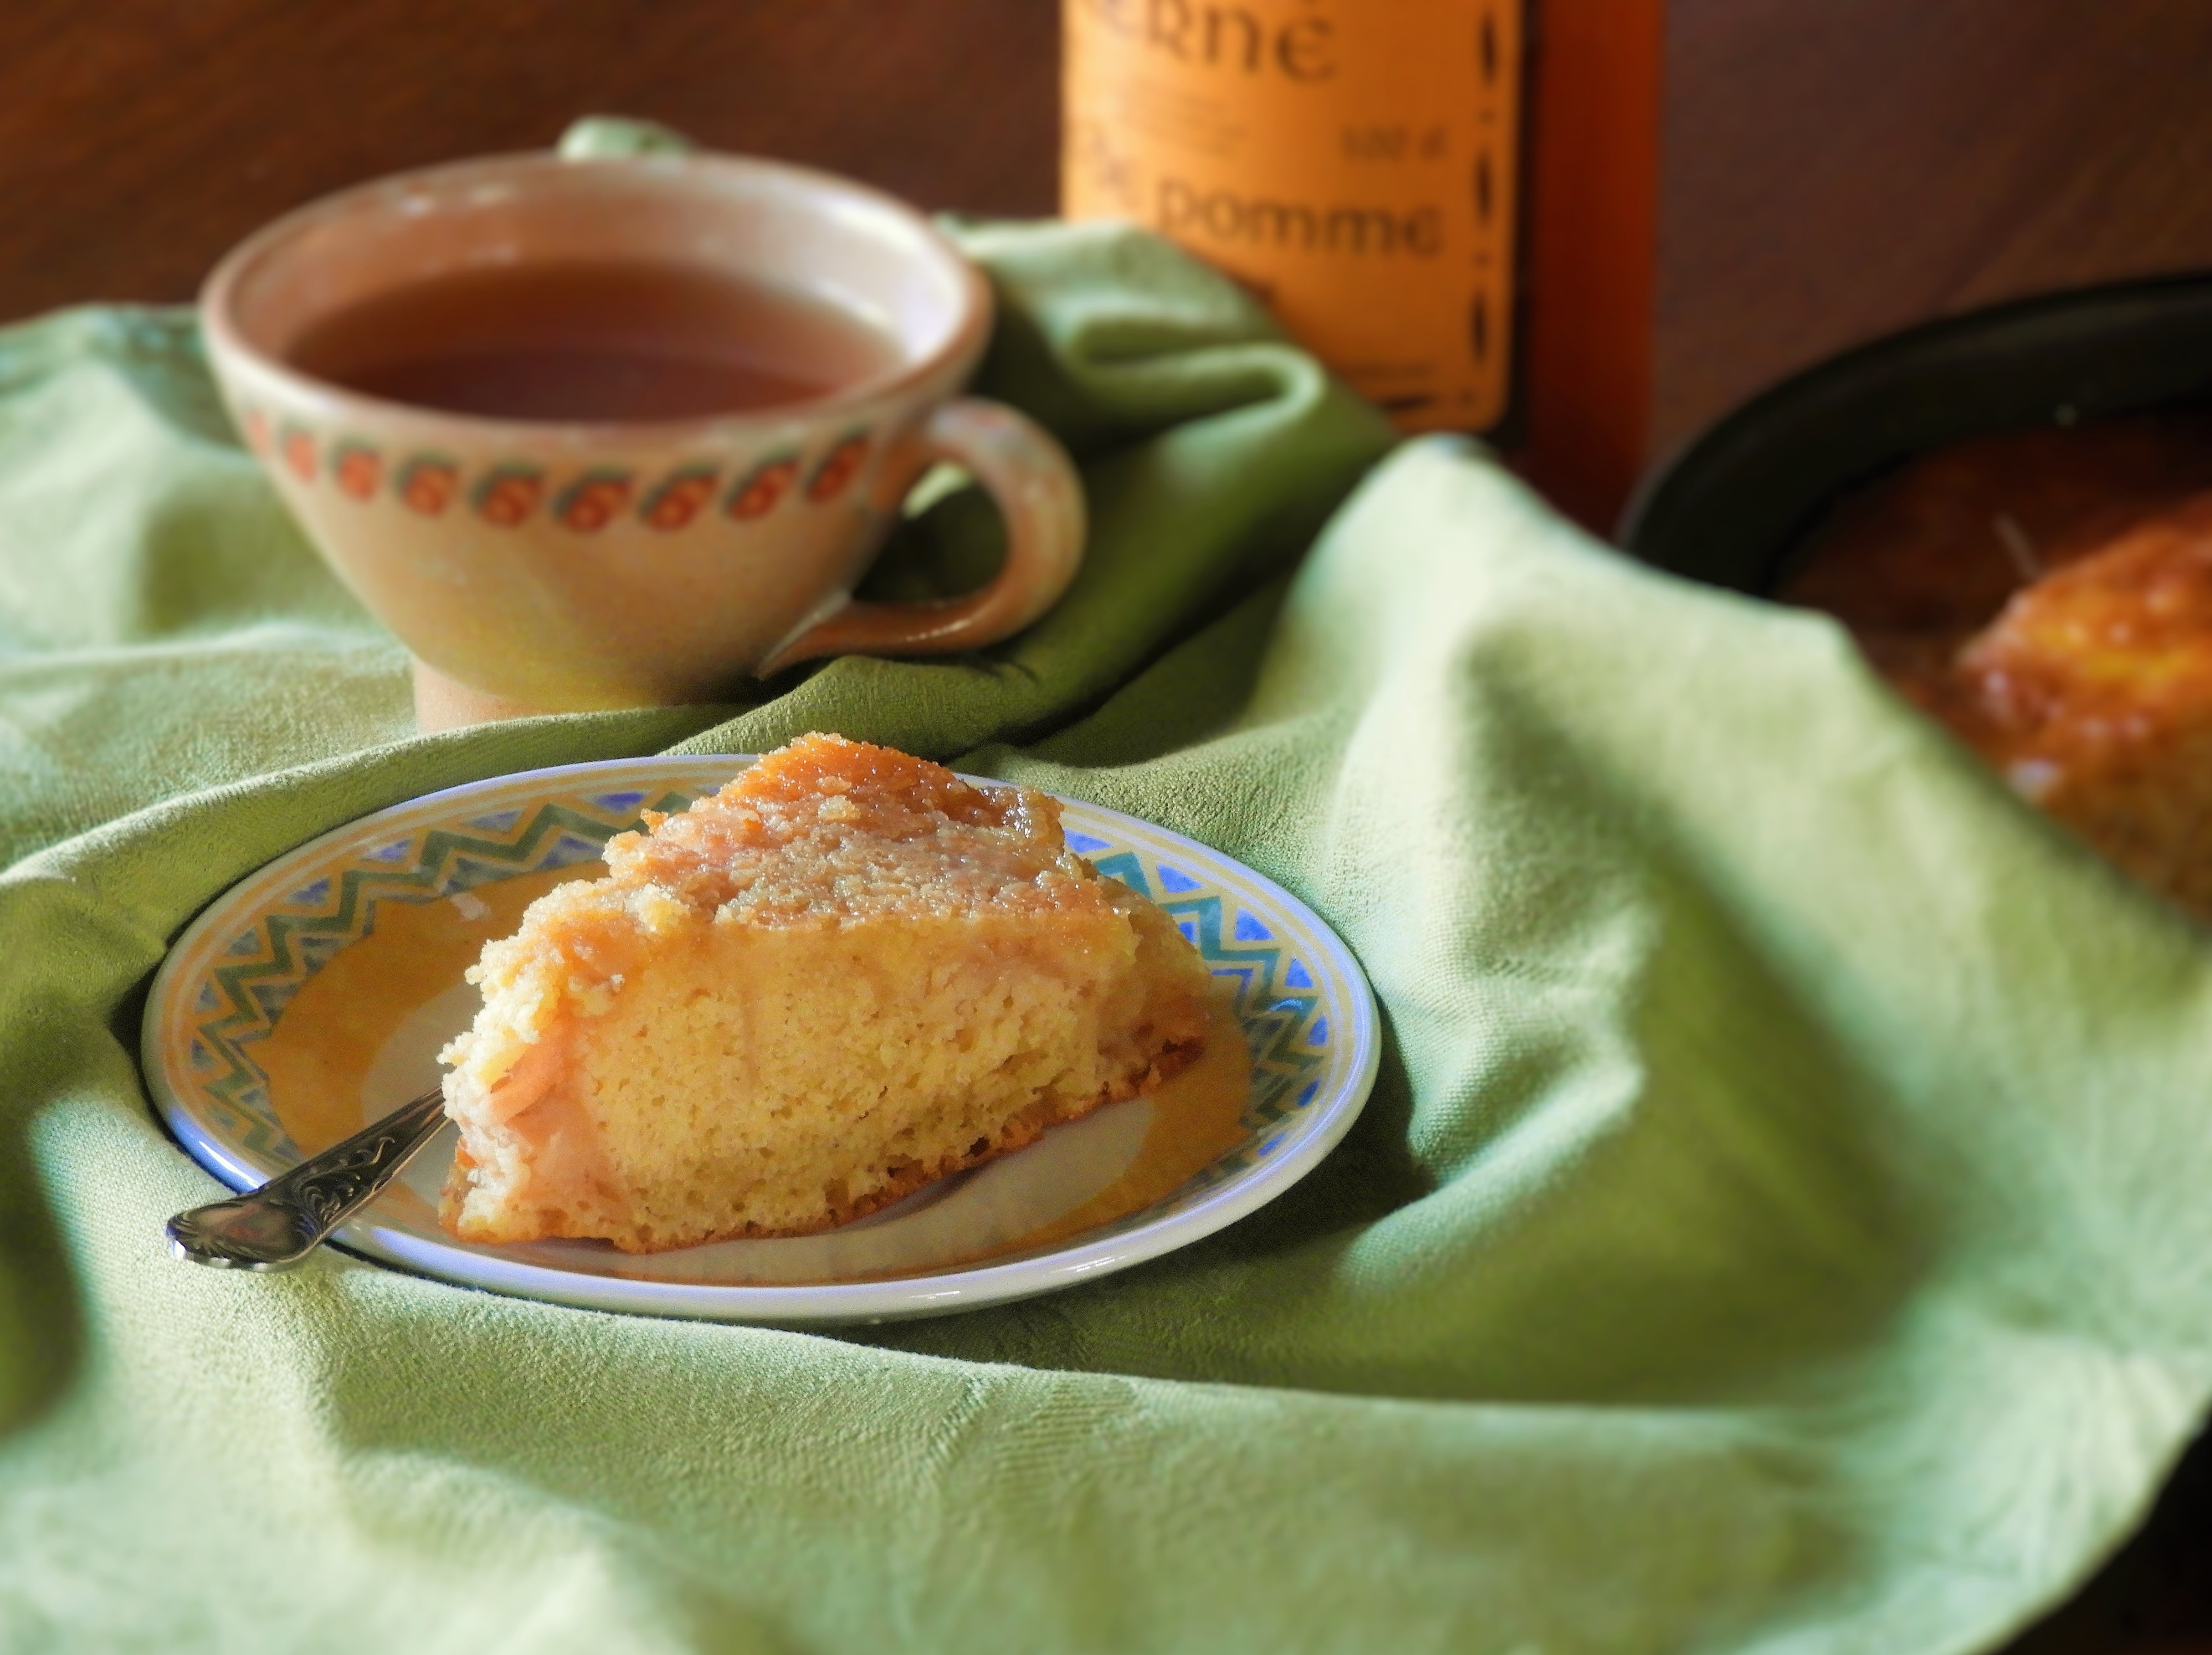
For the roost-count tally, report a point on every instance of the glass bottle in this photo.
(1450, 201)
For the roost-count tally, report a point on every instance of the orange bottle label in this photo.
(1352, 163)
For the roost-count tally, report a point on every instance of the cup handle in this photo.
(1038, 495)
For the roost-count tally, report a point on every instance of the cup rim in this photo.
(226, 339)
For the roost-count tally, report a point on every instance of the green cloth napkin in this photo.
(1780, 1225)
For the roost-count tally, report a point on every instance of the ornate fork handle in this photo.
(279, 1225)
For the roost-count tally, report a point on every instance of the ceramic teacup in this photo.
(536, 564)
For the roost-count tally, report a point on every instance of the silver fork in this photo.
(279, 1225)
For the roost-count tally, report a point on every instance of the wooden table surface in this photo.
(1833, 171)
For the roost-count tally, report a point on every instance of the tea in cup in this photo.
(603, 431)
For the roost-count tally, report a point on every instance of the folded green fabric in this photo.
(1778, 1225)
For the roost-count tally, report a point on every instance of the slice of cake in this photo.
(846, 974)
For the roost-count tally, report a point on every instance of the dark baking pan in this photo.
(1729, 508)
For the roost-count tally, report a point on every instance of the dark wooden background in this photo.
(1839, 168)
(1833, 169)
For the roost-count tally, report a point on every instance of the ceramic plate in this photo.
(314, 997)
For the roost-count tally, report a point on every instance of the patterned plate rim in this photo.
(1317, 1129)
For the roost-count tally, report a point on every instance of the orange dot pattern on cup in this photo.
(511, 493)
(593, 501)
(760, 488)
(297, 446)
(427, 484)
(507, 494)
(679, 497)
(356, 469)
(839, 467)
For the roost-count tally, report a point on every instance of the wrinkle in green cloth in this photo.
(1775, 1227)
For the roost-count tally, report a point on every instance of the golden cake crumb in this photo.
(2091, 693)
(846, 974)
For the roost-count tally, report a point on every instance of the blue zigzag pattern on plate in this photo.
(1277, 1023)
(1286, 1037)
(269, 964)
(1278, 1005)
